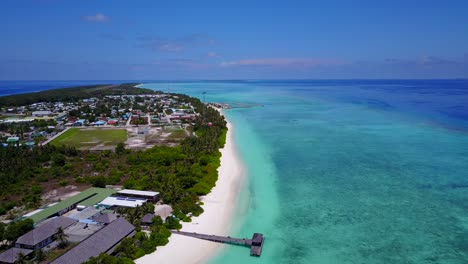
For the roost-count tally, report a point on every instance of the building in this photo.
(41, 113)
(112, 122)
(89, 197)
(103, 241)
(149, 195)
(12, 139)
(118, 201)
(43, 234)
(12, 255)
(79, 122)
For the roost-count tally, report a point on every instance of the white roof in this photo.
(122, 201)
(136, 192)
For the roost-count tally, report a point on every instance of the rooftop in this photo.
(11, 255)
(137, 192)
(106, 218)
(147, 219)
(45, 230)
(88, 197)
(122, 202)
(102, 241)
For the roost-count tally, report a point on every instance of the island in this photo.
(102, 173)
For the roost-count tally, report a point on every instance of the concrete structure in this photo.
(149, 195)
(255, 244)
(103, 241)
(43, 234)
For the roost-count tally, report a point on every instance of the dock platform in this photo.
(255, 244)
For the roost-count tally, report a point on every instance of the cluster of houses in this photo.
(124, 110)
(30, 138)
(88, 219)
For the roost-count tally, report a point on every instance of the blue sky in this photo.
(112, 39)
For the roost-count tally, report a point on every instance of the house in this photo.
(103, 241)
(12, 255)
(38, 134)
(30, 144)
(12, 139)
(41, 113)
(43, 234)
(80, 122)
(112, 122)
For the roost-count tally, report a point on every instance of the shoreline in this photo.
(219, 207)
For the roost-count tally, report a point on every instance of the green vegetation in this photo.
(23, 171)
(57, 252)
(14, 230)
(72, 94)
(85, 138)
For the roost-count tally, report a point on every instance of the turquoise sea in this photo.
(360, 171)
(348, 171)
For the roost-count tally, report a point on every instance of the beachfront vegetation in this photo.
(86, 138)
(13, 231)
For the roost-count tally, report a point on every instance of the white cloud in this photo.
(98, 18)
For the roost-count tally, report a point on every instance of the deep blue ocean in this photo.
(355, 171)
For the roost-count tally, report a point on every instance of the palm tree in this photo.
(134, 215)
(22, 259)
(39, 256)
(61, 237)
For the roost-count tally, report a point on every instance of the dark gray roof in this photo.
(11, 255)
(147, 219)
(106, 218)
(45, 230)
(101, 241)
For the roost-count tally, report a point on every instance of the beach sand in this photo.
(219, 206)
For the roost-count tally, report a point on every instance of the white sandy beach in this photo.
(219, 206)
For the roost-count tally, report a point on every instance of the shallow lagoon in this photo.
(349, 171)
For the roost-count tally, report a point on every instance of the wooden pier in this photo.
(255, 244)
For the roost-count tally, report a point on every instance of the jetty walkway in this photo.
(255, 244)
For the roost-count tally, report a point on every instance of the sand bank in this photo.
(219, 206)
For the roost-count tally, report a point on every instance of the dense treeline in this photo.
(72, 94)
(23, 169)
(13, 231)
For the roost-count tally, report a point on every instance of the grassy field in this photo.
(89, 138)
